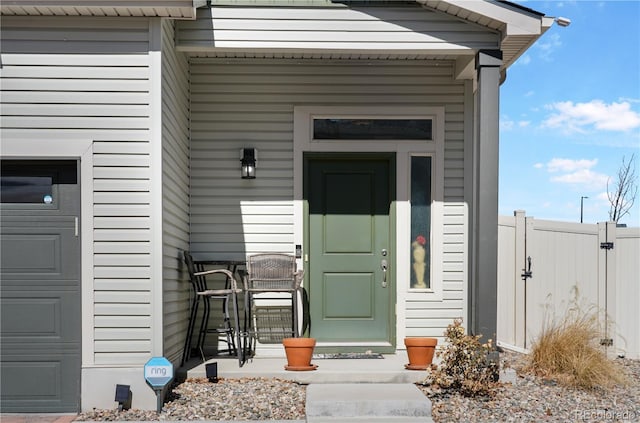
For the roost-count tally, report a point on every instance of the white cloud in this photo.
(539, 165)
(629, 100)
(569, 165)
(547, 46)
(529, 93)
(595, 114)
(585, 177)
(507, 124)
(564, 3)
(575, 172)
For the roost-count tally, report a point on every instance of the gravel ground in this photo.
(534, 399)
(229, 399)
(530, 399)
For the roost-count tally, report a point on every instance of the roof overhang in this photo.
(175, 9)
(520, 26)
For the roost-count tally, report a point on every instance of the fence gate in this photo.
(546, 267)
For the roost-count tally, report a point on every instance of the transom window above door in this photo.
(372, 129)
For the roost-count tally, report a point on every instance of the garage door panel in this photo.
(42, 283)
(34, 384)
(40, 317)
(46, 253)
(32, 317)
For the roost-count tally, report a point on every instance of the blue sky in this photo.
(570, 112)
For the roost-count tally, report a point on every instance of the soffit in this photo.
(176, 9)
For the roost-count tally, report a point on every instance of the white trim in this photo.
(81, 149)
(516, 22)
(435, 283)
(303, 142)
(155, 138)
(513, 347)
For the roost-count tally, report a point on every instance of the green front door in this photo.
(349, 202)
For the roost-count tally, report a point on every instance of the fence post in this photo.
(612, 281)
(520, 256)
(607, 281)
(529, 245)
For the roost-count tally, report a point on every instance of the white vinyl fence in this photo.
(593, 266)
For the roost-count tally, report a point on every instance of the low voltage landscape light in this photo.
(212, 372)
(123, 397)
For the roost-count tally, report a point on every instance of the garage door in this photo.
(40, 286)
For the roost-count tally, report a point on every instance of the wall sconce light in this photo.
(248, 157)
(123, 397)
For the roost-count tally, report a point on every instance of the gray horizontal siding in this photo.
(390, 28)
(175, 189)
(65, 83)
(250, 103)
(74, 35)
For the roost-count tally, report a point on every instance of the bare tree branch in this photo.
(622, 195)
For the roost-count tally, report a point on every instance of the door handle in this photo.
(527, 271)
(383, 266)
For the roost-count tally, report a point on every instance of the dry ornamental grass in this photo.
(568, 351)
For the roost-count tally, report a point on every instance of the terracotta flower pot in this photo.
(420, 352)
(299, 352)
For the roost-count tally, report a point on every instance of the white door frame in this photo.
(404, 149)
(77, 149)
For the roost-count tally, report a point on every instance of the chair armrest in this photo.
(214, 292)
(299, 275)
(227, 273)
(244, 276)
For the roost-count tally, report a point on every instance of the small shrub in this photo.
(466, 364)
(568, 351)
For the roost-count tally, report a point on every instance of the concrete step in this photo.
(359, 402)
(388, 370)
(370, 419)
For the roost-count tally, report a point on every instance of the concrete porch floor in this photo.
(389, 369)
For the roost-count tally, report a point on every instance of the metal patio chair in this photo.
(270, 273)
(201, 293)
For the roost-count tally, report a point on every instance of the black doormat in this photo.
(351, 356)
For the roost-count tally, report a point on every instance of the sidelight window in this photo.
(420, 255)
